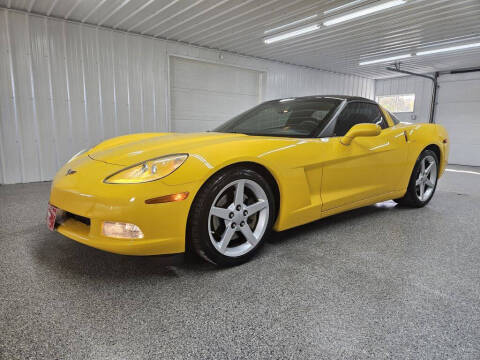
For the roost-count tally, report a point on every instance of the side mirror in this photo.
(360, 130)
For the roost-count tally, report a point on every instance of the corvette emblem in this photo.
(70, 172)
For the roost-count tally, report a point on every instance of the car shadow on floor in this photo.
(335, 221)
(67, 256)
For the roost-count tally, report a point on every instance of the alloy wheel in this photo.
(238, 217)
(427, 178)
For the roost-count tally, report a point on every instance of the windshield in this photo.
(288, 117)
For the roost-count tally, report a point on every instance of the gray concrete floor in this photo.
(378, 282)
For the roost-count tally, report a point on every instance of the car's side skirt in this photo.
(305, 215)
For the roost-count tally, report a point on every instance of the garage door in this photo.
(458, 110)
(204, 95)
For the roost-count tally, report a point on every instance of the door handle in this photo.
(406, 136)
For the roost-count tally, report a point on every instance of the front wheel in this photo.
(231, 216)
(423, 181)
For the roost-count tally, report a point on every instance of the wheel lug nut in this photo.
(242, 223)
(234, 225)
(231, 215)
(245, 213)
(238, 207)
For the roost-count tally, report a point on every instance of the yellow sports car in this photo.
(280, 164)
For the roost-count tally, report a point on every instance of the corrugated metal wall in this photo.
(66, 86)
(422, 88)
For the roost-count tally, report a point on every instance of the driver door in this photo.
(369, 166)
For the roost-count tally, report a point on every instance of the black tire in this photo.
(198, 236)
(411, 198)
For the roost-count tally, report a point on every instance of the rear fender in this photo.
(420, 136)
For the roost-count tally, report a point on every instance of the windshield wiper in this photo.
(276, 127)
(243, 131)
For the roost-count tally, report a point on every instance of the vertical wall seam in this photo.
(2, 158)
(100, 89)
(67, 81)
(2, 155)
(142, 111)
(167, 85)
(50, 89)
(142, 80)
(154, 93)
(128, 85)
(154, 99)
(14, 99)
(85, 104)
(36, 126)
(115, 104)
(259, 87)
(415, 106)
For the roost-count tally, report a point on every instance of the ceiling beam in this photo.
(50, 9)
(162, 9)
(100, 3)
(117, 9)
(133, 14)
(67, 15)
(30, 6)
(171, 17)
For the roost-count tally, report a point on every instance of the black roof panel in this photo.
(343, 97)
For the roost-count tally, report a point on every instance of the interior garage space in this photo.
(239, 179)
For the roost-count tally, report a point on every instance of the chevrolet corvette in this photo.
(279, 165)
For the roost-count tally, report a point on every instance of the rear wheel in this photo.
(231, 216)
(423, 181)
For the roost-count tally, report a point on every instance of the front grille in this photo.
(79, 218)
(64, 215)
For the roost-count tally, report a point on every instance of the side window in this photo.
(358, 113)
(268, 117)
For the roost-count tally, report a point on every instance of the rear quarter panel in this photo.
(421, 136)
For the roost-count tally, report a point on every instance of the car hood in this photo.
(132, 149)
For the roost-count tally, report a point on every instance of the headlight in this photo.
(77, 155)
(149, 170)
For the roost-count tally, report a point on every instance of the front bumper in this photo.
(91, 202)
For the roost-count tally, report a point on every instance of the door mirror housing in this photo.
(360, 130)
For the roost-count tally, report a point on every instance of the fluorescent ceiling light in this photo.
(290, 34)
(392, 58)
(290, 24)
(364, 12)
(343, 6)
(451, 48)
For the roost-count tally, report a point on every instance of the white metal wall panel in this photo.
(422, 88)
(27, 119)
(458, 110)
(66, 86)
(11, 152)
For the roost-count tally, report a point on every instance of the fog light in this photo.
(121, 230)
